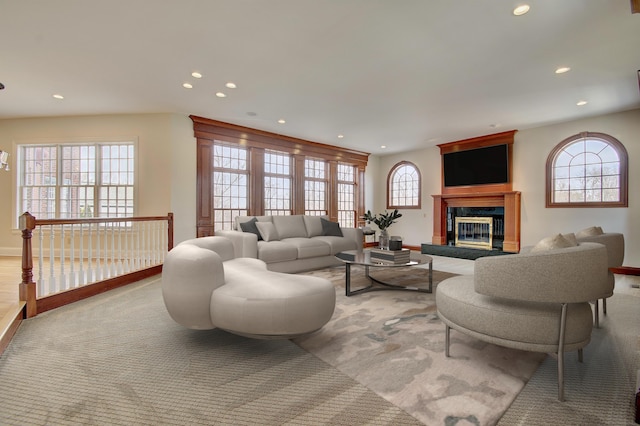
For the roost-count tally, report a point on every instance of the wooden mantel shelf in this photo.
(510, 200)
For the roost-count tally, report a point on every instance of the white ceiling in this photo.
(406, 74)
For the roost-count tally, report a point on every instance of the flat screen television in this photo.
(478, 166)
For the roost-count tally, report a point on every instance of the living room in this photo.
(349, 108)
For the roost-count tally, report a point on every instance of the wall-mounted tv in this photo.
(478, 166)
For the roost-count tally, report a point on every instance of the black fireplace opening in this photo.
(495, 213)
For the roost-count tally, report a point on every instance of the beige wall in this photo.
(167, 173)
(165, 162)
(530, 155)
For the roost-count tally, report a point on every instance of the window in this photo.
(248, 172)
(230, 184)
(346, 195)
(315, 187)
(277, 183)
(587, 170)
(70, 181)
(403, 185)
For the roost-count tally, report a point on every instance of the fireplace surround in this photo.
(497, 201)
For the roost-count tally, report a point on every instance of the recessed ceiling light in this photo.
(231, 85)
(281, 121)
(580, 103)
(340, 136)
(493, 126)
(521, 10)
(57, 96)
(196, 74)
(221, 95)
(562, 70)
(383, 146)
(187, 85)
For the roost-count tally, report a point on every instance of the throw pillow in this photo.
(331, 229)
(250, 226)
(588, 232)
(571, 238)
(550, 243)
(268, 231)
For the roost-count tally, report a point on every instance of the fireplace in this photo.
(503, 208)
(474, 232)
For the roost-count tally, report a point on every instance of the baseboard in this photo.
(9, 325)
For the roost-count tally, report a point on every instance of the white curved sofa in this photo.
(532, 301)
(205, 286)
(294, 243)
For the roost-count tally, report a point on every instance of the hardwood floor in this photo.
(10, 277)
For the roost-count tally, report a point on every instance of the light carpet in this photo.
(393, 343)
(119, 359)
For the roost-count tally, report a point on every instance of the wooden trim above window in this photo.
(206, 128)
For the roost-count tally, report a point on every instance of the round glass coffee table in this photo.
(363, 258)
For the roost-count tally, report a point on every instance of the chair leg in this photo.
(447, 333)
(580, 356)
(563, 322)
(597, 315)
(604, 306)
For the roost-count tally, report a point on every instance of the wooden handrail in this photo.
(27, 288)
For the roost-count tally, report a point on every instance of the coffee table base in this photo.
(383, 285)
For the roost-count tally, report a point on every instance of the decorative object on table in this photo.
(4, 160)
(384, 221)
(391, 256)
(395, 242)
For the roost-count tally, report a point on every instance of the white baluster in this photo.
(120, 266)
(72, 260)
(107, 272)
(52, 278)
(63, 277)
(81, 272)
(127, 229)
(98, 275)
(41, 281)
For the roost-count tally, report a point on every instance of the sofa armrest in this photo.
(354, 234)
(571, 275)
(245, 244)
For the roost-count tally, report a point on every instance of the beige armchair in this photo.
(533, 301)
(614, 242)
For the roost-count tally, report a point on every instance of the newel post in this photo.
(27, 290)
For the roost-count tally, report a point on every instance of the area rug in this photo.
(393, 343)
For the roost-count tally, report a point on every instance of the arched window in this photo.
(403, 184)
(587, 170)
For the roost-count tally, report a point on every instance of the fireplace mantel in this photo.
(510, 200)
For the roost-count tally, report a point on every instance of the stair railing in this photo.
(78, 258)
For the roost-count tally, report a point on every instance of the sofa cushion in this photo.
(330, 229)
(309, 247)
(240, 219)
(588, 232)
(313, 225)
(338, 244)
(268, 231)
(276, 251)
(290, 226)
(552, 242)
(250, 226)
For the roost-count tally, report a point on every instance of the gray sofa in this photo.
(537, 300)
(292, 243)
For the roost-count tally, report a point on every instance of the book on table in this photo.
(391, 256)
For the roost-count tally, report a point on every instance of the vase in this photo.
(383, 240)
